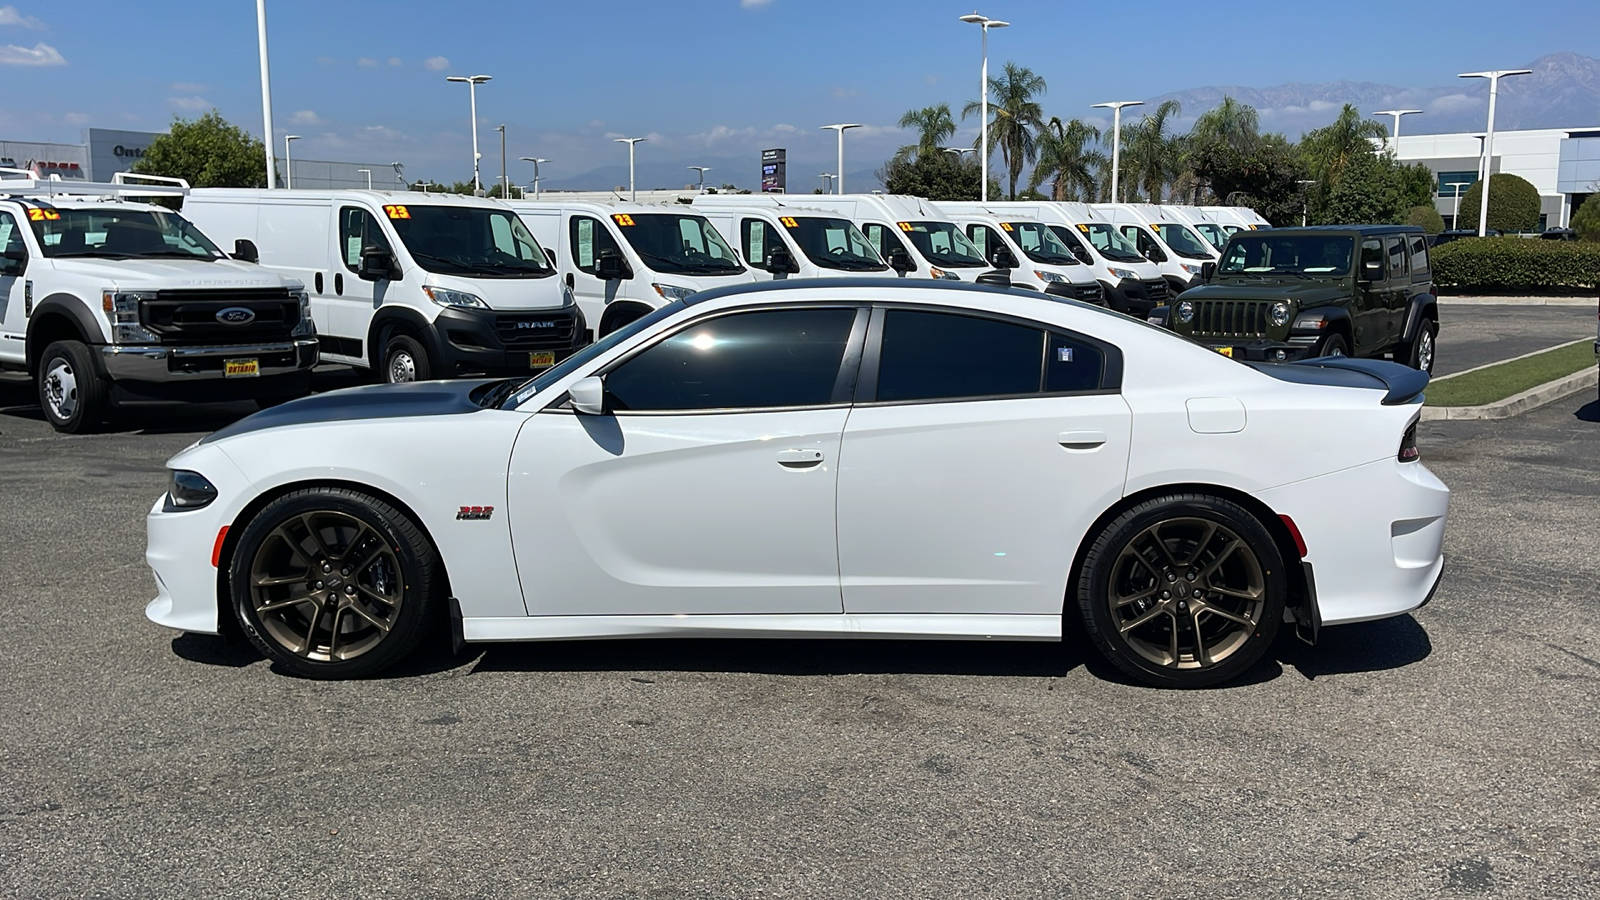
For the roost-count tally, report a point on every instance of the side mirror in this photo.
(1001, 258)
(377, 264)
(551, 256)
(588, 396)
(1207, 271)
(779, 260)
(609, 266)
(244, 250)
(1372, 270)
(1155, 255)
(900, 261)
(14, 262)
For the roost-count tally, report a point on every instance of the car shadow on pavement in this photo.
(1360, 647)
(1589, 412)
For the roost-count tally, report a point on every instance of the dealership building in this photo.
(1562, 163)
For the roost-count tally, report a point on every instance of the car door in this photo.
(709, 487)
(587, 239)
(884, 240)
(15, 302)
(1372, 297)
(979, 452)
(1398, 292)
(349, 311)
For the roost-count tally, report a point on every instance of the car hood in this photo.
(1305, 293)
(383, 401)
(180, 274)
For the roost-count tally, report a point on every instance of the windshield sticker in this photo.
(397, 212)
(904, 226)
(623, 219)
(43, 215)
(789, 222)
(1006, 226)
(1083, 228)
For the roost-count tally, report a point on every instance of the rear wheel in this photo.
(1419, 353)
(1185, 590)
(73, 396)
(405, 360)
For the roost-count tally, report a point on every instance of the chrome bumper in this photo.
(148, 363)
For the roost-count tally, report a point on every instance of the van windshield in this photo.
(678, 244)
(943, 244)
(1041, 244)
(1109, 243)
(1182, 241)
(833, 243)
(1214, 233)
(119, 234)
(476, 241)
(1265, 253)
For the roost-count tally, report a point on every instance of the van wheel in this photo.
(405, 360)
(74, 398)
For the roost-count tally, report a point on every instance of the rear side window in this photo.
(951, 356)
(1396, 250)
(753, 360)
(358, 230)
(589, 239)
(1419, 255)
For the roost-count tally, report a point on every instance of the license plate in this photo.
(1226, 351)
(241, 368)
(542, 360)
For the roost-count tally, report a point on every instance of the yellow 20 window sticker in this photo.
(43, 215)
(623, 219)
(397, 212)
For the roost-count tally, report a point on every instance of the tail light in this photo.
(1408, 445)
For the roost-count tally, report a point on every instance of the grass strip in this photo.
(1510, 378)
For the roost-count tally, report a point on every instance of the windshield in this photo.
(1213, 233)
(1040, 243)
(833, 243)
(469, 240)
(675, 244)
(1182, 241)
(119, 234)
(519, 392)
(1307, 254)
(943, 244)
(1112, 245)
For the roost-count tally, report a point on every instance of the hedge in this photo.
(1516, 264)
(1514, 204)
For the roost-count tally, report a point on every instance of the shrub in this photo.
(1513, 204)
(1427, 218)
(1516, 264)
(1586, 221)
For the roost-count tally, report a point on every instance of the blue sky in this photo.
(710, 81)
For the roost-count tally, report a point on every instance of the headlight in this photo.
(1121, 273)
(122, 312)
(1192, 270)
(447, 297)
(305, 326)
(189, 490)
(1184, 311)
(673, 292)
(941, 274)
(1049, 277)
(1279, 314)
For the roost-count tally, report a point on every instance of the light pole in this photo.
(535, 160)
(633, 192)
(472, 82)
(702, 170)
(827, 182)
(368, 173)
(1488, 138)
(838, 180)
(288, 160)
(1305, 200)
(505, 183)
(985, 23)
(1116, 143)
(1455, 215)
(266, 93)
(1394, 136)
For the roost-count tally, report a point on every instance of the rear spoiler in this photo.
(1401, 384)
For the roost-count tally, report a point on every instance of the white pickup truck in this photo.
(106, 299)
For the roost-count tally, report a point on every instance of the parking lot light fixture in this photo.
(266, 93)
(1488, 137)
(838, 181)
(633, 190)
(983, 136)
(1116, 143)
(827, 182)
(288, 161)
(535, 160)
(1394, 136)
(472, 82)
(702, 170)
(1455, 215)
(368, 173)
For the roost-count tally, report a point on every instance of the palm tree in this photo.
(1064, 155)
(933, 124)
(1016, 116)
(1235, 124)
(1330, 148)
(1151, 154)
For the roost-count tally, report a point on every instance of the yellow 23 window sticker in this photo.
(788, 222)
(623, 219)
(397, 212)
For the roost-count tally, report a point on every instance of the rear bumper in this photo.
(496, 342)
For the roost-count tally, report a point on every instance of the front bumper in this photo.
(1131, 296)
(504, 342)
(1259, 350)
(154, 372)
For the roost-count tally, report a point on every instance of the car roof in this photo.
(1364, 230)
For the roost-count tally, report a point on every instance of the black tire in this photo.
(1333, 345)
(1140, 599)
(285, 579)
(74, 397)
(405, 360)
(1420, 352)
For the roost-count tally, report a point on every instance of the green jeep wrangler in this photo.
(1290, 293)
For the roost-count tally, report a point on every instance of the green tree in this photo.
(1426, 217)
(1151, 154)
(1372, 189)
(1264, 178)
(1330, 149)
(1586, 221)
(933, 125)
(1066, 158)
(934, 176)
(207, 152)
(1231, 123)
(1513, 204)
(1016, 116)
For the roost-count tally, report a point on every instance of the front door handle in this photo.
(799, 459)
(1081, 440)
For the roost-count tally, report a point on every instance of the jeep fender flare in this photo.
(1418, 306)
(59, 306)
(1338, 317)
(387, 319)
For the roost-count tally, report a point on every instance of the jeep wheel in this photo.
(1419, 353)
(73, 396)
(1333, 345)
(405, 360)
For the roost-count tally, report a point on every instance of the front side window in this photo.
(752, 360)
(1182, 241)
(984, 238)
(1066, 236)
(10, 234)
(883, 240)
(359, 230)
(677, 244)
(1372, 255)
(589, 241)
(1215, 234)
(833, 243)
(942, 244)
(1263, 253)
(1040, 244)
(110, 233)
(467, 240)
(1109, 243)
(758, 238)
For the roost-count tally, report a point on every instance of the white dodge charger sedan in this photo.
(838, 458)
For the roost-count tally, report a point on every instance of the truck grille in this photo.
(1090, 293)
(190, 316)
(542, 331)
(1157, 289)
(1231, 317)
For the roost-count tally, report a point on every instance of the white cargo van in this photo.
(1162, 237)
(411, 285)
(787, 241)
(1238, 218)
(622, 260)
(1204, 222)
(1032, 255)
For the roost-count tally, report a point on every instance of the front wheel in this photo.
(1333, 345)
(405, 360)
(333, 583)
(73, 396)
(1184, 591)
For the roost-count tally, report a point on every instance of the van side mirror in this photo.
(1207, 271)
(1001, 258)
(377, 264)
(900, 261)
(14, 262)
(778, 260)
(588, 396)
(610, 266)
(244, 250)
(551, 256)
(1155, 255)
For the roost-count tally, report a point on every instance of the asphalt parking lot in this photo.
(1472, 336)
(1448, 753)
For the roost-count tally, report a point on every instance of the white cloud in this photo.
(72, 118)
(394, 60)
(190, 104)
(41, 54)
(10, 16)
(305, 117)
(843, 92)
(1451, 103)
(436, 64)
(189, 87)
(366, 62)
(754, 4)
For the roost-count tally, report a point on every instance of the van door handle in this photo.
(799, 459)
(1081, 440)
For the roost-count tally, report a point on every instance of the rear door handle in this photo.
(1081, 440)
(799, 459)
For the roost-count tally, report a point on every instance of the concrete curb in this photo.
(1516, 301)
(1499, 362)
(1532, 398)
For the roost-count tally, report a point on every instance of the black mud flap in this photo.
(1308, 615)
(458, 638)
